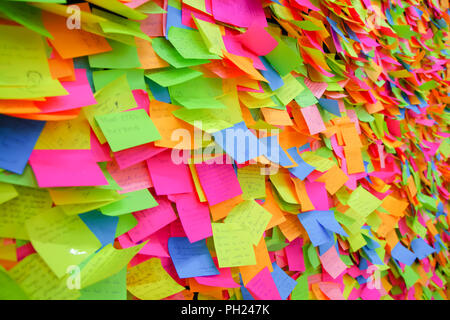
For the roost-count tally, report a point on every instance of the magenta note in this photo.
(66, 168)
(294, 255)
(262, 286)
(194, 216)
(240, 13)
(168, 177)
(219, 182)
(153, 219)
(128, 157)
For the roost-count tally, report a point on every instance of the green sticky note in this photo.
(127, 129)
(114, 97)
(211, 35)
(123, 26)
(189, 44)
(306, 25)
(282, 58)
(134, 201)
(122, 56)
(252, 216)
(150, 8)
(61, 240)
(125, 224)
(277, 241)
(284, 186)
(301, 290)
(26, 15)
(233, 245)
(167, 51)
(111, 288)
(169, 77)
(38, 282)
(135, 78)
(10, 289)
(363, 202)
(199, 103)
(106, 263)
(13, 213)
(312, 256)
(211, 88)
(290, 90)
(410, 276)
(7, 192)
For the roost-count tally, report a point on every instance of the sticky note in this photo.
(191, 259)
(66, 168)
(263, 286)
(127, 129)
(61, 240)
(283, 282)
(402, 254)
(133, 201)
(233, 245)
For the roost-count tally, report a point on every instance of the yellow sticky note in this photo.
(15, 212)
(253, 183)
(78, 195)
(7, 192)
(61, 240)
(37, 280)
(253, 217)
(320, 164)
(211, 35)
(363, 202)
(233, 245)
(149, 281)
(107, 262)
(65, 135)
(285, 187)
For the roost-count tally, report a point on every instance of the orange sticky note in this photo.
(147, 56)
(354, 160)
(394, 206)
(245, 64)
(334, 179)
(277, 117)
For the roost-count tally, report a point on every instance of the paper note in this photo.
(66, 168)
(39, 282)
(149, 281)
(194, 216)
(263, 286)
(253, 217)
(136, 125)
(233, 245)
(332, 263)
(219, 182)
(363, 201)
(133, 201)
(60, 240)
(191, 259)
(152, 220)
(252, 182)
(112, 288)
(283, 282)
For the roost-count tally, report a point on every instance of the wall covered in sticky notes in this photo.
(224, 150)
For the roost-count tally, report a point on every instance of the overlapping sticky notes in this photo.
(238, 150)
(61, 240)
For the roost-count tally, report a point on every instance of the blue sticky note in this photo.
(328, 221)
(275, 81)
(174, 20)
(191, 259)
(326, 246)
(17, 140)
(102, 226)
(372, 255)
(159, 93)
(238, 142)
(331, 106)
(284, 283)
(303, 169)
(317, 234)
(273, 151)
(402, 254)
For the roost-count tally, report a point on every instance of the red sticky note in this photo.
(258, 40)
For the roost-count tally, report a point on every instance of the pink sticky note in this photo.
(262, 286)
(313, 119)
(66, 168)
(194, 216)
(132, 178)
(294, 255)
(331, 290)
(153, 219)
(176, 229)
(239, 13)
(168, 177)
(219, 182)
(154, 246)
(131, 156)
(222, 280)
(317, 194)
(370, 294)
(100, 152)
(332, 263)
(317, 88)
(80, 95)
(258, 40)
